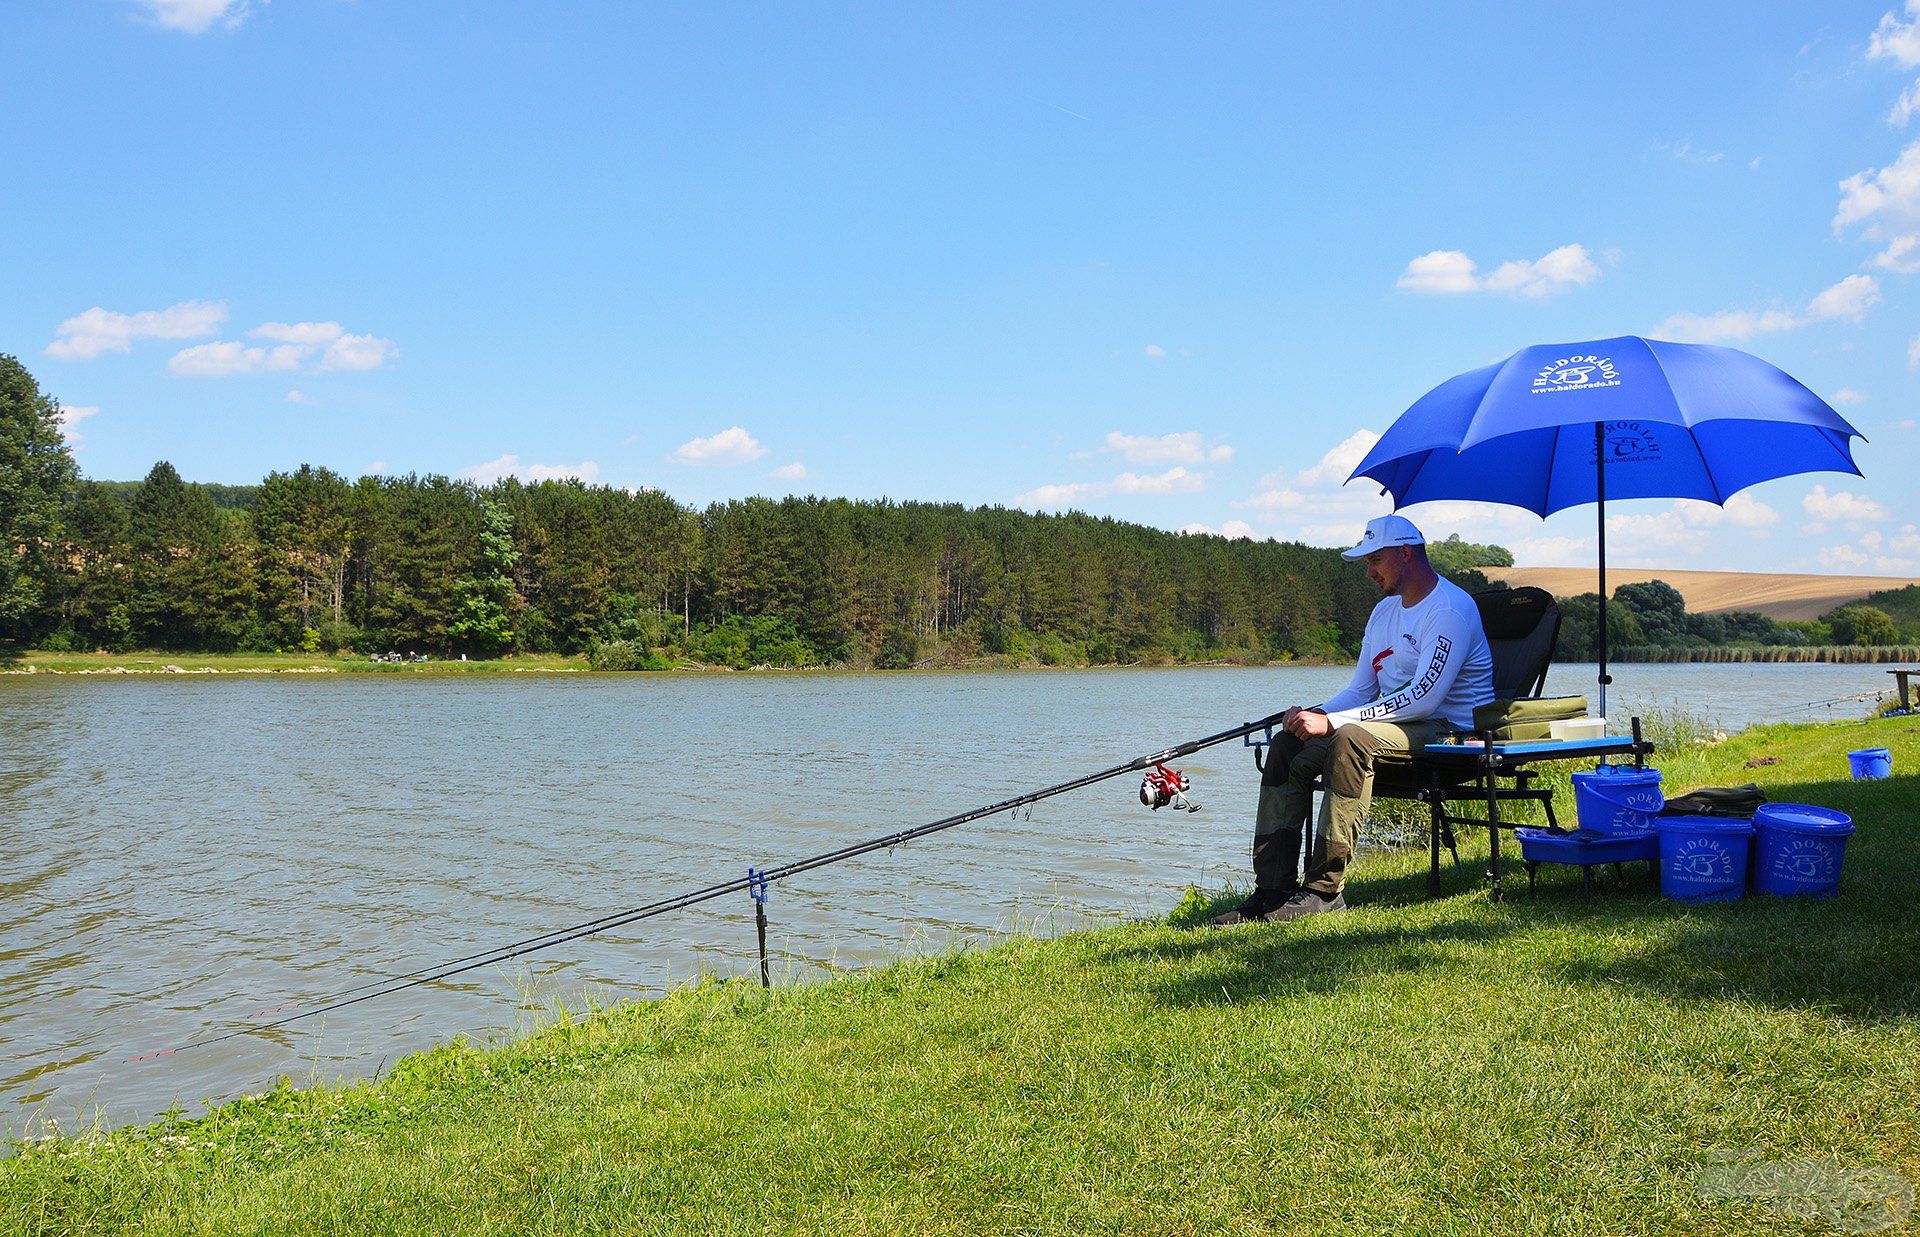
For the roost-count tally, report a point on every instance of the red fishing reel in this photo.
(1164, 787)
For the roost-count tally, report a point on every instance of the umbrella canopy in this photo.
(1557, 425)
(1676, 421)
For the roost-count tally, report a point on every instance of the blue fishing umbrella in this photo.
(1558, 425)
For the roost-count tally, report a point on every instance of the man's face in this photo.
(1387, 567)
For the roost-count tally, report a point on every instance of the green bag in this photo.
(1530, 717)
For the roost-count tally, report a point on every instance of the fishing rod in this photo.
(1160, 787)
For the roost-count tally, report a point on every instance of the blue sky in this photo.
(1164, 264)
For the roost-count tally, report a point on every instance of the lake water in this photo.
(180, 853)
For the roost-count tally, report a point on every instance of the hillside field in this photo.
(1782, 596)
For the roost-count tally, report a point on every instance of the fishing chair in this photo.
(1523, 628)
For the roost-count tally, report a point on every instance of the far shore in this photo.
(31, 662)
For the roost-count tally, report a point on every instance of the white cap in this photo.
(1383, 532)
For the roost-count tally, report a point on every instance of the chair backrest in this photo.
(1522, 626)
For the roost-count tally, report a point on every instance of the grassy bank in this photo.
(1435, 1065)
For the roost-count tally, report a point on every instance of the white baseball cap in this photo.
(1383, 532)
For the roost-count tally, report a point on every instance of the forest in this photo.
(311, 560)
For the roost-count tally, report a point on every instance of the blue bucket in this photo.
(1703, 858)
(1870, 763)
(1618, 799)
(1799, 849)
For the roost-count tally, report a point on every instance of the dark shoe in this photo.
(1305, 902)
(1255, 907)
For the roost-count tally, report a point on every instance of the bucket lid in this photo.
(1620, 773)
(1702, 824)
(1804, 818)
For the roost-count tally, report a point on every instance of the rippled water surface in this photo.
(177, 854)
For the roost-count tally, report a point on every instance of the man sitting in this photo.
(1424, 666)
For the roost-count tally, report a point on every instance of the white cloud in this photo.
(1913, 352)
(1552, 551)
(375, 469)
(87, 335)
(1906, 424)
(1056, 495)
(298, 397)
(510, 466)
(795, 471)
(314, 333)
(71, 415)
(195, 16)
(1275, 500)
(1729, 325)
(1338, 464)
(1686, 153)
(1898, 554)
(357, 352)
(294, 346)
(1849, 299)
(1187, 448)
(1176, 480)
(1232, 529)
(729, 447)
(1882, 198)
(1442, 271)
(1901, 256)
(1847, 396)
(1843, 507)
(1905, 106)
(1154, 350)
(225, 357)
(1451, 271)
(1896, 40)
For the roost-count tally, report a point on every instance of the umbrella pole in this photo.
(1600, 491)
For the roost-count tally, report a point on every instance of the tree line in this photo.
(310, 559)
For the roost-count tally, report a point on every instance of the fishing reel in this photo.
(1164, 787)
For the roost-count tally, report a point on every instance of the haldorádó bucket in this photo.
(1703, 858)
(1870, 763)
(1798, 849)
(1618, 799)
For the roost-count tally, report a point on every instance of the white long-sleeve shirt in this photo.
(1428, 660)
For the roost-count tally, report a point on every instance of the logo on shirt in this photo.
(1575, 373)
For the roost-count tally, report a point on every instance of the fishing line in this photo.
(559, 936)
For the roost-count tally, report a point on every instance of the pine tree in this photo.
(36, 476)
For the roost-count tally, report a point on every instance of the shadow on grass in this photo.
(1854, 956)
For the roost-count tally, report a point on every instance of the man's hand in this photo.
(1307, 724)
(1286, 718)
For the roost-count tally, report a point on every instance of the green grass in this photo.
(254, 663)
(1445, 1065)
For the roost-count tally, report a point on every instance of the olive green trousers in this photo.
(1343, 761)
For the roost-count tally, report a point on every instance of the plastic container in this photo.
(1870, 763)
(1578, 728)
(1583, 848)
(1704, 858)
(1618, 799)
(1798, 849)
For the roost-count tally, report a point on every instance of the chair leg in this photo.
(1533, 866)
(1586, 882)
(1435, 824)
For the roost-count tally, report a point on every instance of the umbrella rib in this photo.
(1686, 423)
